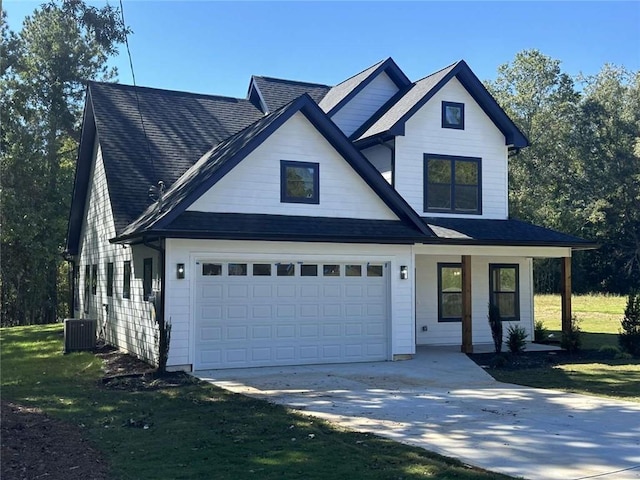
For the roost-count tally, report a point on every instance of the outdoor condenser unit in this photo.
(79, 334)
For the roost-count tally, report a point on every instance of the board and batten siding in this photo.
(450, 333)
(128, 325)
(181, 293)
(253, 186)
(364, 104)
(480, 138)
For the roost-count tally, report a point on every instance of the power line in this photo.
(135, 89)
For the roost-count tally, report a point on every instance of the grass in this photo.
(197, 430)
(589, 372)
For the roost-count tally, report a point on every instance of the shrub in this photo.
(629, 337)
(516, 339)
(498, 361)
(495, 322)
(609, 351)
(572, 340)
(540, 332)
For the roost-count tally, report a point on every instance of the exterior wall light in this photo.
(404, 272)
(180, 271)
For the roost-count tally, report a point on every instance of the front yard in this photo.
(178, 428)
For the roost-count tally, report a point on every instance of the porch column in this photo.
(467, 340)
(566, 294)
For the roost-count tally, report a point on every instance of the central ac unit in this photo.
(79, 334)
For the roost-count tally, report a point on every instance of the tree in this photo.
(629, 337)
(43, 76)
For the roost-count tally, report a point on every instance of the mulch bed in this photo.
(37, 446)
(525, 360)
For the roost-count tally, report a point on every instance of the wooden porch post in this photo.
(467, 340)
(566, 294)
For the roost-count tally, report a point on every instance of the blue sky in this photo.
(214, 47)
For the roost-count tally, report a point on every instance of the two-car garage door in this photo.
(268, 313)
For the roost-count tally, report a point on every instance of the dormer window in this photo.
(453, 115)
(452, 184)
(299, 182)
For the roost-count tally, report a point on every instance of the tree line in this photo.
(581, 174)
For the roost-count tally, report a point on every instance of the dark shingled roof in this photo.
(180, 128)
(277, 92)
(500, 232)
(239, 226)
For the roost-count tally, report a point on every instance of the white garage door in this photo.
(257, 313)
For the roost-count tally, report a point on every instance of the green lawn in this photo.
(197, 430)
(588, 372)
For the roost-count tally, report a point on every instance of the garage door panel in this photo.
(247, 320)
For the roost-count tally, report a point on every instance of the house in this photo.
(304, 223)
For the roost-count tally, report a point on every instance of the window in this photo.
(353, 270)
(449, 292)
(94, 279)
(110, 279)
(285, 269)
(237, 269)
(87, 287)
(261, 269)
(331, 270)
(299, 182)
(147, 278)
(504, 288)
(452, 184)
(374, 270)
(211, 269)
(309, 270)
(126, 279)
(453, 115)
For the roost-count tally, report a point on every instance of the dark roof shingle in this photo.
(277, 92)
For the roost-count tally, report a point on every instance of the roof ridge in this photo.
(362, 71)
(124, 86)
(439, 71)
(291, 81)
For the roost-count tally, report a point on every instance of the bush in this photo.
(609, 351)
(572, 340)
(495, 322)
(629, 337)
(540, 332)
(516, 339)
(498, 361)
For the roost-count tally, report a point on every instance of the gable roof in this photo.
(274, 93)
(342, 93)
(221, 159)
(390, 119)
(179, 127)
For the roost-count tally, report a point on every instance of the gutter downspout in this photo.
(162, 269)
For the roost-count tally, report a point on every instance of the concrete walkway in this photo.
(442, 401)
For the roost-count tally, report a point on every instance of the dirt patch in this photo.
(36, 446)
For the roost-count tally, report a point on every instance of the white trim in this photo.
(493, 250)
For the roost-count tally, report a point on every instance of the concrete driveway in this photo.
(442, 401)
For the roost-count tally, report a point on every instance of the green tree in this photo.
(43, 75)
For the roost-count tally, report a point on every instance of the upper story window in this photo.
(453, 115)
(299, 182)
(452, 184)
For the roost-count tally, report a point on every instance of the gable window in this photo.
(110, 279)
(452, 184)
(87, 287)
(453, 115)
(449, 292)
(299, 182)
(126, 279)
(504, 287)
(94, 279)
(147, 278)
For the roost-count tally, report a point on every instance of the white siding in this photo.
(380, 157)
(180, 296)
(449, 333)
(129, 324)
(366, 102)
(253, 186)
(480, 138)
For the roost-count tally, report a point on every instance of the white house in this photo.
(303, 224)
